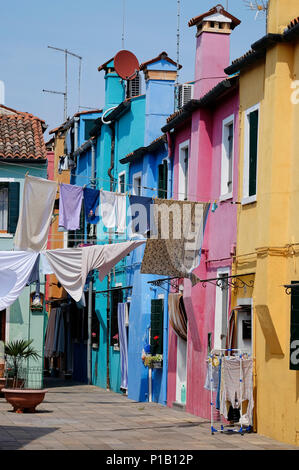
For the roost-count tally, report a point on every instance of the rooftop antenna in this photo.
(178, 54)
(123, 33)
(65, 93)
(260, 6)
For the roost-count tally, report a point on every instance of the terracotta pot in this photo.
(2, 383)
(24, 399)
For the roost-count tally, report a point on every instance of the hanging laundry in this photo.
(140, 213)
(50, 331)
(70, 202)
(35, 214)
(123, 345)
(34, 275)
(71, 266)
(212, 377)
(177, 315)
(15, 270)
(108, 208)
(91, 205)
(174, 250)
(121, 213)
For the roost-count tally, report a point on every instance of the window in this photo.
(88, 126)
(75, 237)
(134, 87)
(221, 310)
(157, 310)
(9, 206)
(183, 170)
(116, 298)
(137, 181)
(162, 180)
(250, 154)
(227, 158)
(122, 182)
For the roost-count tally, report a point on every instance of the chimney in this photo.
(160, 76)
(213, 30)
(2, 92)
(114, 85)
(280, 14)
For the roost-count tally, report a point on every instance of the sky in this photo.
(93, 29)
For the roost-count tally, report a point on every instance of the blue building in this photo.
(150, 175)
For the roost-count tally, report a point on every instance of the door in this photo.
(181, 371)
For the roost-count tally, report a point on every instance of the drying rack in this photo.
(221, 353)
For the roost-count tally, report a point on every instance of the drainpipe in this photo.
(109, 275)
(90, 287)
(76, 133)
(169, 172)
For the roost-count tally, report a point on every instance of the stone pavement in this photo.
(83, 417)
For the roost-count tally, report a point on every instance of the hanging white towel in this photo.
(108, 208)
(15, 270)
(121, 213)
(35, 214)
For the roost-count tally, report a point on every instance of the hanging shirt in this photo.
(91, 205)
(121, 213)
(70, 201)
(35, 214)
(108, 208)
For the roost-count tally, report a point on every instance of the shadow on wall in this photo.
(273, 347)
(15, 313)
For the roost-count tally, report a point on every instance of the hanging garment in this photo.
(232, 388)
(34, 275)
(15, 270)
(108, 208)
(70, 202)
(212, 377)
(219, 386)
(175, 250)
(123, 345)
(91, 205)
(45, 266)
(35, 214)
(59, 333)
(177, 315)
(49, 338)
(121, 213)
(140, 211)
(71, 266)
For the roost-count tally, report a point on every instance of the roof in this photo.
(220, 91)
(21, 137)
(104, 66)
(138, 153)
(162, 56)
(217, 9)
(65, 125)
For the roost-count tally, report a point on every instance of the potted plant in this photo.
(153, 362)
(15, 391)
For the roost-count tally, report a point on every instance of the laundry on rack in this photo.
(91, 205)
(15, 270)
(174, 250)
(35, 214)
(70, 202)
(212, 377)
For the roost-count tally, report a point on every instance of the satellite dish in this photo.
(126, 65)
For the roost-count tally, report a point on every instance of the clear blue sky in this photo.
(93, 30)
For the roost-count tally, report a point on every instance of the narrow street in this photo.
(82, 417)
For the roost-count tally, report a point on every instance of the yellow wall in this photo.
(267, 227)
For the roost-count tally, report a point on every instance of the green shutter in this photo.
(162, 180)
(294, 336)
(89, 125)
(116, 298)
(13, 206)
(253, 143)
(157, 309)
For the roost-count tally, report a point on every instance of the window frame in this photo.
(246, 198)
(122, 173)
(136, 176)
(225, 195)
(163, 190)
(219, 313)
(8, 181)
(182, 175)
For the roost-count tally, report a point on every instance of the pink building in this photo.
(204, 134)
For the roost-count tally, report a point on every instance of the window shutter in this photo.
(162, 180)
(116, 298)
(157, 309)
(13, 206)
(294, 337)
(253, 137)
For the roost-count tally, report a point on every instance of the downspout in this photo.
(112, 127)
(76, 133)
(90, 288)
(169, 172)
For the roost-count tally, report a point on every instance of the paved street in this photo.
(82, 417)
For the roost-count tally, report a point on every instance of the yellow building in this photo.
(268, 219)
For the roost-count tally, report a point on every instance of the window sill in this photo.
(225, 197)
(6, 235)
(248, 200)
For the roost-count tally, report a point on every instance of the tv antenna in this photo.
(177, 54)
(123, 32)
(260, 6)
(65, 92)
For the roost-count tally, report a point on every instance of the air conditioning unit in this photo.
(185, 94)
(134, 87)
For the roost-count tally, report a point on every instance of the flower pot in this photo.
(24, 399)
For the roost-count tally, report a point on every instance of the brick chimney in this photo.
(213, 30)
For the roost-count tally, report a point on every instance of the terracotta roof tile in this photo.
(21, 137)
(162, 56)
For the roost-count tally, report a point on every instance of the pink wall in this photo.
(220, 236)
